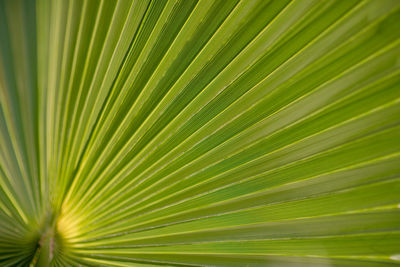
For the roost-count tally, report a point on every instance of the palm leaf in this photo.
(199, 133)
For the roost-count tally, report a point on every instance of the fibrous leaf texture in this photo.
(199, 133)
